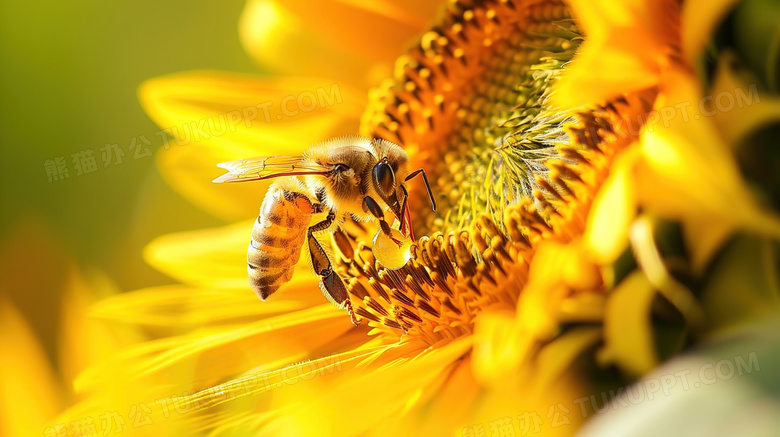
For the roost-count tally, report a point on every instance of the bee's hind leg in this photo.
(332, 285)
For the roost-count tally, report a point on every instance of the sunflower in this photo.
(36, 378)
(572, 249)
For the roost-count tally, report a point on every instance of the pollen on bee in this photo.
(388, 252)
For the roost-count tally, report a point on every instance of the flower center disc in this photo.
(469, 104)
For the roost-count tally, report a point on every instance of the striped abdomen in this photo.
(277, 236)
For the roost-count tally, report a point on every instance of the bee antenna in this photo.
(427, 185)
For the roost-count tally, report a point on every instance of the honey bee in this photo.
(340, 178)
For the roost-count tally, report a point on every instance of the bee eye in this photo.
(384, 179)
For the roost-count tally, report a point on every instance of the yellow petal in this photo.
(29, 393)
(601, 72)
(606, 233)
(216, 117)
(246, 408)
(699, 20)
(628, 336)
(461, 386)
(625, 49)
(84, 341)
(189, 170)
(687, 170)
(743, 286)
(647, 254)
(548, 397)
(244, 111)
(497, 347)
(598, 17)
(538, 303)
(342, 40)
(208, 355)
(503, 342)
(207, 257)
(558, 355)
(738, 107)
(184, 308)
(703, 238)
(390, 387)
(211, 257)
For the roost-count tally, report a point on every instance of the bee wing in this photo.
(266, 167)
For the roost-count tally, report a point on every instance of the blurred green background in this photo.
(68, 82)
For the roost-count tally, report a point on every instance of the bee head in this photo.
(360, 167)
(389, 177)
(387, 180)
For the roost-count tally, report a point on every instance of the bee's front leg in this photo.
(332, 286)
(370, 205)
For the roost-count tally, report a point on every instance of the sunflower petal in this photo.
(628, 335)
(690, 159)
(85, 341)
(459, 384)
(743, 287)
(209, 257)
(189, 170)
(611, 63)
(601, 72)
(703, 238)
(555, 357)
(30, 396)
(699, 20)
(215, 117)
(606, 234)
(324, 407)
(184, 308)
(328, 38)
(211, 353)
(497, 347)
(213, 257)
(742, 109)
